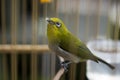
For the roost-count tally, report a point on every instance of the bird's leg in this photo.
(65, 65)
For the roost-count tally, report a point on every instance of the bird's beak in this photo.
(49, 21)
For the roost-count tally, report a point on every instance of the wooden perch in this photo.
(60, 72)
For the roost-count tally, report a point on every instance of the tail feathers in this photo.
(109, 65)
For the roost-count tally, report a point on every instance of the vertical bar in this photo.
(4, 59)
(12, 27)
(56, 7)
(36, 34)
(116, 32)
(117, 28)
(34, 66)
(24, 58)
(44, 56)
(108, 30)
(72, 7)
(5, 67)
(53, 57)
(24, 67)
(32, 55)
(3, 17)
(72, 74)
(65, 10)
(24, 20)
(81, 72)
(34, 39)
(118, 18)
(14, 15)
(14, 66)
(45, 10)
(98, 19)
(14, 21)
(81, 67)
(108, 21)
(53, 62)
(75, 30)
(77, 7)
(97, 29)
(87, 20)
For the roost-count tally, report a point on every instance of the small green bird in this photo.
(65, 44)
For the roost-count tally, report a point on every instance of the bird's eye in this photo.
(58, 24)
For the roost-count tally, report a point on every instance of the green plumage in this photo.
(74, 45)
(65, 44)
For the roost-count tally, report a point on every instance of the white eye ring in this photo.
(58, 24)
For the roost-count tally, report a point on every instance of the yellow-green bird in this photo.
(65, 44)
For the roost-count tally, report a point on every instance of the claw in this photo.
(65, 65)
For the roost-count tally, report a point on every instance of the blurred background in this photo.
(24, 54)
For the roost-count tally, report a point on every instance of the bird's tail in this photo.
(109, 65)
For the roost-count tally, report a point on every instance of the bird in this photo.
(66, 45)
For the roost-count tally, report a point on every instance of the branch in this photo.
(60, 72)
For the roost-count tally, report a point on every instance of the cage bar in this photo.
(97, 27)
(5, 67)
(4, 59)
(87, 20)
(116, 32)
(24, 56)
(72, 74)
(34, 39)
(24, 13)
(23, 48)
(24, 67)
(14, 67)
(108, 21)
(14, 24)
(3, 17)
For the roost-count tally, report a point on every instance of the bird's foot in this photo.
(65, 65)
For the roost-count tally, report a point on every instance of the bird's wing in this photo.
(85, 53)
(66, 55)
(76, 47)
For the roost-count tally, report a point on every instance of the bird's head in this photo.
(56, 24)
(55, 27)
